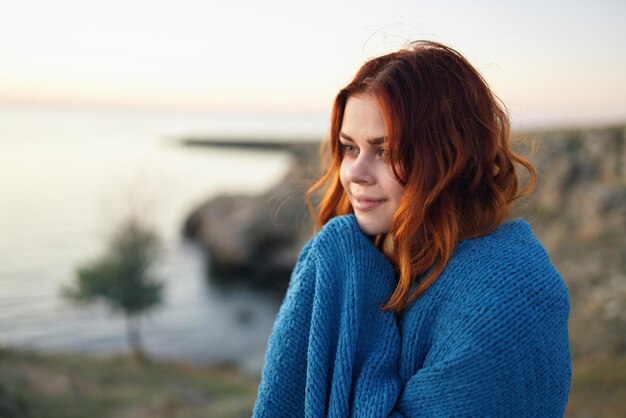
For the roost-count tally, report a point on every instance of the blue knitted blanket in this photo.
(488, 338)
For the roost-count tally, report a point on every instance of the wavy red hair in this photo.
(448, 141)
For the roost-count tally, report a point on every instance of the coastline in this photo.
(36, 384)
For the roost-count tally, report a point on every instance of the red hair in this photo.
(448, 140)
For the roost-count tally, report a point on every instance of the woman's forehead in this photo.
(363, 119)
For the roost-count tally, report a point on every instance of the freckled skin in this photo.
(365, 175)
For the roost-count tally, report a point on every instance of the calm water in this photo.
(66, 175)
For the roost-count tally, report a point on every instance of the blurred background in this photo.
(175, 140)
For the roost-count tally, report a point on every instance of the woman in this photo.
(416, 298)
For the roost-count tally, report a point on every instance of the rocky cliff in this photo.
(578, 210)
(257, 239)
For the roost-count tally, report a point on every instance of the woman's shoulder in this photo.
(495, 287)
(508, 269)
(511, 240)
(510, 250)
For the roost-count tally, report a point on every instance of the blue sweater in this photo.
(488, 338)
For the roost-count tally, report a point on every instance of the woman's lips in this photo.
(366, 203)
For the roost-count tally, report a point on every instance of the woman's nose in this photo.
(360, 171)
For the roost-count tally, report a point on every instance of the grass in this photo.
(35, 385)
(71, 386)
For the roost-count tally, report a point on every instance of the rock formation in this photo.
(578, 210)
(257, 239)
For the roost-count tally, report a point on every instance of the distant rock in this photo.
(581, 193)
(257, 239)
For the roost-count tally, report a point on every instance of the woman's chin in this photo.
(372, 226)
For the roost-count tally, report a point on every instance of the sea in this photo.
(68, 175)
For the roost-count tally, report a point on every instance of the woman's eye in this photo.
(382, 153)
(348, 148)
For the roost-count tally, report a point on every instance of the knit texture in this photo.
(488, 338)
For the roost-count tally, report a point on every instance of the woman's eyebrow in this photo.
(373, 141)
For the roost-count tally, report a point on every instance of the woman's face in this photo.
(365, 175)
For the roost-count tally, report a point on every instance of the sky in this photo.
(552, 62)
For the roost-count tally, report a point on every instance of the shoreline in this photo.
(246, 367)
(72, 385)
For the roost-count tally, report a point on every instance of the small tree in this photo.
(121, 278)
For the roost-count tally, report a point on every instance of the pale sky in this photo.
(552, 62)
